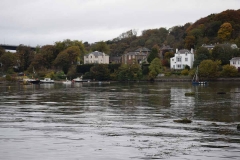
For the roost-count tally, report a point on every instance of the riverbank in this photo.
(189, 79)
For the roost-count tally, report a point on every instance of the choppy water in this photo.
(119, 121)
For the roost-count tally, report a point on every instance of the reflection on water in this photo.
(119, 121)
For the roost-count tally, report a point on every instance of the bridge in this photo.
(13, 47)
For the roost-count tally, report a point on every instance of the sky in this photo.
(43, 22)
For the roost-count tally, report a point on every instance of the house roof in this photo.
(166, 48)
(136, 53)
(183, 51)
(96, 53)
(142, 49)
(235, 58)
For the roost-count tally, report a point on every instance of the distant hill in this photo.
(190, 35)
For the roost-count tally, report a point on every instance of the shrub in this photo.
(185, 72)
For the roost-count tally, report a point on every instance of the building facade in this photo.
(181, 59)
(139, 56)
(235, 62)
(97, 58)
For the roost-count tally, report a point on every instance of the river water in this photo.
(119, 121)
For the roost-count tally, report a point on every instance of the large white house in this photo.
(182, 58)
(96, 57)
(235, 62)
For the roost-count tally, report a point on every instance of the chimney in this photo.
(192, 50)
(176, 50)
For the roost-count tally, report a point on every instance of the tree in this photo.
(62, 61)
(223, 53)
(100, 72)
(49, 54)
(224, 33)
(61, 46)
(190, 42)
(209, 69)
(2, 51)
(8, 60)
(73, 53)
(204, 51)
(101, 47)
(25, 56)
(155, 68)
(38, 63)
(153, 54)
(229, 71)
(199, 59)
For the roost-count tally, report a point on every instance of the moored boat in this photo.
(79, 79)
(195, 80)
(47, 80)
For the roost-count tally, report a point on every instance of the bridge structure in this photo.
(13, 47)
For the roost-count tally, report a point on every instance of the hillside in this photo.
(207, 30)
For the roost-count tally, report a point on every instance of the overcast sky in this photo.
(42, 22)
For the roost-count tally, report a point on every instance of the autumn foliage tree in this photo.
(224, 33)
(209, 69)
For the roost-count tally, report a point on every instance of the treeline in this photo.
(65, 58)
(215, 28)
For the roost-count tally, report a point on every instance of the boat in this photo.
(33, 81)
(47, 80)
(195, 80)
(79, 79)
(67, 81)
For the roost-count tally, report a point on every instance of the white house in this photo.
(96, 57)
(235, 62)
(182, 58)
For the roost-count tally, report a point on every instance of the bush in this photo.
(185, 72)
(8, 78)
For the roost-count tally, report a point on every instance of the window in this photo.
(178, 59)
(186, 59)
(234, 62)
(172, 59)
(179, 66)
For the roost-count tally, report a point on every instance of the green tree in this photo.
(101, 47)
(25, 56)
(73, 53)
(8, 60)
(61, 46)
(204, 51)
(100, 72)
(155, 68)
(130, 72)
(38, 63)
(62, 61)
(2, 51)
(49, 54)
(153, 54)
(229, 71)
(223, 53)
(209, 69)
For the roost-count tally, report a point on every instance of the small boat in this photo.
(35, 81)
(79, 79)
(67, 82)
(30, 81)
(195, 80)
(47, 80)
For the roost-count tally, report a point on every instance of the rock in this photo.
(184, 120)
(190, 94)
